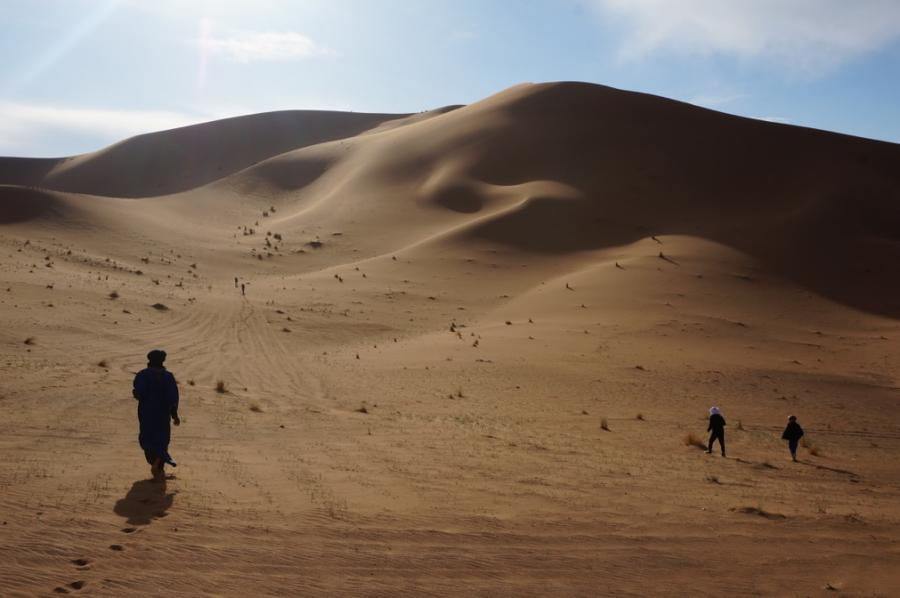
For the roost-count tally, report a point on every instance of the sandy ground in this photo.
(473, 345)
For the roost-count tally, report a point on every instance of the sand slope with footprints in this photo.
(472, 348)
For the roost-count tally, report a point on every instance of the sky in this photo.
(78, 75)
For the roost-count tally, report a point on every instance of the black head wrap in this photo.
(155, 358)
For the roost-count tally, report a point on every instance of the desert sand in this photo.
(474, 345)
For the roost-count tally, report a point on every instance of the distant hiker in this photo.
(242, 289)
(157, 394)
(716, 429)
(235, 281)
(792, 433)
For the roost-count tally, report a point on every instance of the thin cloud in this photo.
(23, 123)
(715, 100)
(249, 47)
(774, 119)
(809, 36)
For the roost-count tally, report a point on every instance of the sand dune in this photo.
(187, 157)
(473, 343)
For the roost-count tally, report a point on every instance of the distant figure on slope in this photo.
(235, 281)
(242, 289)
(157, 394)
(792, 433)
(716, 429)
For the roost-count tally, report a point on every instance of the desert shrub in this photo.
(691, 439)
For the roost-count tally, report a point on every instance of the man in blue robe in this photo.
(157, 394)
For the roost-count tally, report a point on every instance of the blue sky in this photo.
(80, 74)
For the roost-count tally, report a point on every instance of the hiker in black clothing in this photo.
(792, 433)
(235, 281)
(716, 429)
(242, 289)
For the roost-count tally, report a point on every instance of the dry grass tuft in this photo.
(114, 295)
(604, 424)
(691, 439)
(362, 409)
(102, 364)
(639, 416)
(220, 387)
(160, 307)
(29, 340)
(256, 408)
(810, 446)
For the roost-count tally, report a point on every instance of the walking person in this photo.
(792, 433)
(157, 395)
(242, 289)
(716, 429)
(235, 281)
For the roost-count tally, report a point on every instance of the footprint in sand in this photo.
(129, 530)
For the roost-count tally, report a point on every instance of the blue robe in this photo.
(157, 394)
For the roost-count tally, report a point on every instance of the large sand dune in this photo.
(443, 313)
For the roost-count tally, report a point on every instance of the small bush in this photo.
(740, 425)
(810, 446)
(102, 363)
(639, 416)
(604, 424)
(691, 439)
(220, 387)
(362, 409)
(255, 408)
(160, 307)
(190, 382)
(29, 340)
(114, 295)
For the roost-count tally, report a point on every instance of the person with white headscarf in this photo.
(716, 429)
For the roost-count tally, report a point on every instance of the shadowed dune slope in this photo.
(22, 204)
(187, 157)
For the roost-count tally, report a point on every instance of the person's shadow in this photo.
(147, 500)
